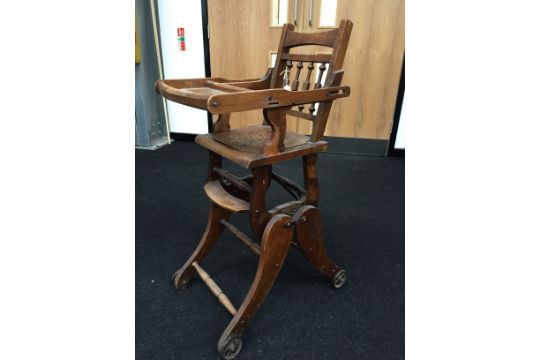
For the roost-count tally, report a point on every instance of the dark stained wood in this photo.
(280, 65)
(244, 239)
(257, 148)
(308, 57)
(296, 81)
(311, 182)
(260, 84)
(325, 38)
(275, 244)
(340, 45)
(219, 103)
(259, 215)
(223, 123)
(319, 123)
(251, 160)
(307, 83)
(295, 190)
(287, 207)
(214, 160)
(251, 139)
(214, 228)
(227, 176)
(215, 191)
(185, 83)
(195, 96)
(309, 235)
(277, 119)
(318, 84)
(225, 86)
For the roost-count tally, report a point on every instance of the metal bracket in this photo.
(294, 222)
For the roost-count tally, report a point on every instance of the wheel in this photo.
(339, 279)
(231, 347)
(180, 285)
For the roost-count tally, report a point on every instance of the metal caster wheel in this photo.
(230, 348)
(339, 279)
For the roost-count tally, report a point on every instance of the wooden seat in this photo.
(278, 94)
(244, 146)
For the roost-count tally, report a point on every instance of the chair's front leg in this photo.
(274, 248)
(214, 229)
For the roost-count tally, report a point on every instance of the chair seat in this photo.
(243, 146)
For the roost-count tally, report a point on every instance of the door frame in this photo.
(392, 151)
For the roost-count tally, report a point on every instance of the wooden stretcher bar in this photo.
(215, 289)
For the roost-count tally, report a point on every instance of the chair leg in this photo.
(275, 245)
(214, 229)
(310, 238)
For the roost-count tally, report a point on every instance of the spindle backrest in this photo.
(337, 39)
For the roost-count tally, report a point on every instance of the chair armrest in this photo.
(198, 82)
(272, 98)
(255, 84)
(195, 92)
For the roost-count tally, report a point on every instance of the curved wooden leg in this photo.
(310, 238)
(275, 244)
(212, 233)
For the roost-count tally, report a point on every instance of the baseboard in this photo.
(397, 152)
(183, 137)
(355, 146)
(155, 146)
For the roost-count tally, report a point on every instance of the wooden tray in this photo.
(196, 92)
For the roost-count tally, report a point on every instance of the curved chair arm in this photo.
(272, 98)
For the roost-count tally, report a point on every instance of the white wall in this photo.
(182, 64)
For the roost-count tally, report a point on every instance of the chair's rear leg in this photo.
(275, 244)
(309, 235)
(214, 228)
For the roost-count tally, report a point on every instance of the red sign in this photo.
(181, 39)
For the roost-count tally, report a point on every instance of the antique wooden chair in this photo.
(256, 148)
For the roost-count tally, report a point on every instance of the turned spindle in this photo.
(296, 81)
(215, 289)
(318, 85)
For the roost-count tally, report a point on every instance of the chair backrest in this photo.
(337, 40)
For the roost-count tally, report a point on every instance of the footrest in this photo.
(215, 191)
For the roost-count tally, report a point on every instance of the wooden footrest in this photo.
(215, 191)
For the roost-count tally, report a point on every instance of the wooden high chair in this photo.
(256, 148)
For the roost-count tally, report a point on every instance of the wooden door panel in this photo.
(372, 69)
(241, 38)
